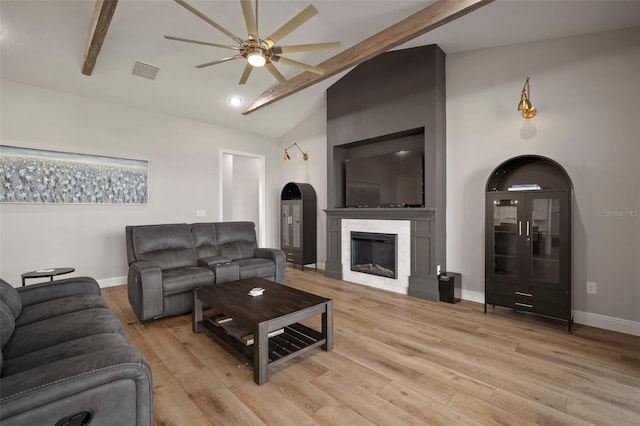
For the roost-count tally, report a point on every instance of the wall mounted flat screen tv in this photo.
(389, 180)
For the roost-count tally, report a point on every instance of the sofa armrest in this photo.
(38, 293)
(114, 384)
(211, 261)
(278, 257)
(144, 287)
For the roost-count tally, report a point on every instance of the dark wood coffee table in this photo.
(276, 312)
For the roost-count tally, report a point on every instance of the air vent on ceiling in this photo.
(145, 70)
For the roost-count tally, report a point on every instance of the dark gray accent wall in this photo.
(395, 94)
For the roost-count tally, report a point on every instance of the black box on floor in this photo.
(449, 286)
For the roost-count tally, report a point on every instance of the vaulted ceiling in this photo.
(43, 44)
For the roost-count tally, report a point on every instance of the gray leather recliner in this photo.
(166, 262)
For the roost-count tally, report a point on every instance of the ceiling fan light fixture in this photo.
(255, 57)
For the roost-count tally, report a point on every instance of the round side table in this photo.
(43, 273)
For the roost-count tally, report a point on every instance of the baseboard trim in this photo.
(472, 296)
(112, 282)
(585, 318)
(608, 323)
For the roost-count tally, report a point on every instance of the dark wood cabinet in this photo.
(528, 238)
(298, 223)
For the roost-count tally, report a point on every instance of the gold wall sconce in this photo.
(305, 156)
(525, 105)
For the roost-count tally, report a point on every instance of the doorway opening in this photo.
(242, 189)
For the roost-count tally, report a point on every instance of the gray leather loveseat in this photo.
(65, 359)
(166, 262)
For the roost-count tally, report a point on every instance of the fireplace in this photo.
(374, 253)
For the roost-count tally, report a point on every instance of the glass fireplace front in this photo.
(374, 253)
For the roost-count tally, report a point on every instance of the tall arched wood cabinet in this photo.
(528, 237)
(298, 221)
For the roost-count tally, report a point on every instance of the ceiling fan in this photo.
(257, 51)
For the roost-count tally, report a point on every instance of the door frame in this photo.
(261, 188)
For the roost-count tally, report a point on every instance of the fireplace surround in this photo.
(416, 265)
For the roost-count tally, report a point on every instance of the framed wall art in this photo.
(40, 176)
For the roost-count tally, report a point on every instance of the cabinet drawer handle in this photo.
(524, 305)
(519, 293)
(519, 227)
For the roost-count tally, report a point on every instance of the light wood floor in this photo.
(398, 360)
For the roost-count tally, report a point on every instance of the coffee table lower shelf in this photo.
(295, 340)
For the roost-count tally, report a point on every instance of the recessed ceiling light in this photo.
(235, 101)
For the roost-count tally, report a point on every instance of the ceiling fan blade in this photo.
(304, 47)
(219, 61)
(273, 70)
(245, 74)
(208, 20)
(206, 43)
(249, 19)
(292, 63)
(293, 23)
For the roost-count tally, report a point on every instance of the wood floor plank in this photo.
(397, 360)
(339, 416)
(539, 413)
(271, 406)
(366, 378)
(486, 412)
(369, 405)
(170, 350)
(216, 402)
(496, 377)
(171, 404)
(301, 393)
(424, 408)
(600, 413)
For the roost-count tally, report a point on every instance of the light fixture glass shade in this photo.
(256, 58)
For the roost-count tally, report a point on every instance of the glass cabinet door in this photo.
(505, 241)
(543, 238)
(285, 225)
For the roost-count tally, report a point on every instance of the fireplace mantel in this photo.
(423, 281)
(381, 213)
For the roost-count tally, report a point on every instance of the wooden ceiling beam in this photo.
(102, 14)
(429, 18)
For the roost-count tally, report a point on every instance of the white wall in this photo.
(587, 91)
(184, 177)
